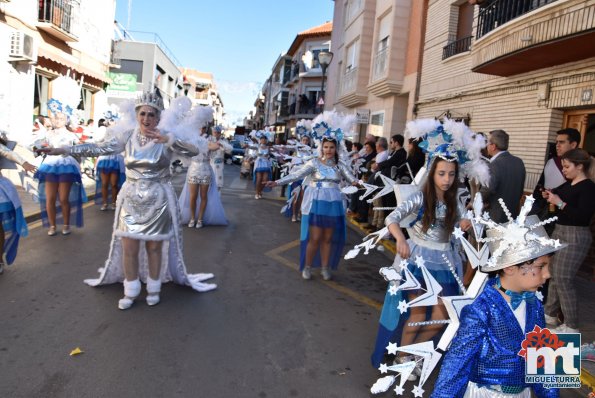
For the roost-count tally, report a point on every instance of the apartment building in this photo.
(293, 90)
(526, 67)
(143, 57)
(303, 73)
(374, 73)
(41, 40)
(201, 88)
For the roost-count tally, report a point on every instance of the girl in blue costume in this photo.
(429, 237)
(262, 165)
(12, 221)
(111, 174)
(59, 176)
(323, 206)
(430, 216)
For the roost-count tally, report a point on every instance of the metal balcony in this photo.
(456, 47)
(560, 33)
(55, 17)
(498, 12)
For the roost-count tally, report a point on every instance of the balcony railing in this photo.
(56, 12)
(348, 81)
(380, 64)
(457, 47)
(498, 12)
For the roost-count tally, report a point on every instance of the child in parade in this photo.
(483, 360)
(430, 215)
(323, 206)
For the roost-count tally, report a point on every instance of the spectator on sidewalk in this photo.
(381, 157)
(507, 178)
(575, 201)
(552, 176)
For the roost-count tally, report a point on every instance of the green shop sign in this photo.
(122, 82)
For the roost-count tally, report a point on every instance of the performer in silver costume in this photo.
(147, 208)
(200, 191)
(218, 156)
(323, 208)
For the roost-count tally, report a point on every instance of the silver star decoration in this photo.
(418, 391)
(454, 306)
(369, 189)
(391, 348)
(402, 306)
(388, 187)
(420, 262)
(393, 289)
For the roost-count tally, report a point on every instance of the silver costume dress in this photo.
(199, 171)
(147, 207)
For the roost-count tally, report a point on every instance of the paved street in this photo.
(264, 333)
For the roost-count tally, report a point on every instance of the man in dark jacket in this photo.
(507, 178)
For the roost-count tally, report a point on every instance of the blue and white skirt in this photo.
(13, 221)
(57, 169)
(323, 208)
(108, 164)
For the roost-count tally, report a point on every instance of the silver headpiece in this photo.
(150, 99)
(516, 241)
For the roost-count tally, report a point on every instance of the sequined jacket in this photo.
(320, 174)
(436, 237)
(485, 348)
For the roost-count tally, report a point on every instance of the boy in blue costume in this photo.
(483, 359)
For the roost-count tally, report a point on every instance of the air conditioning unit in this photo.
(22, 47)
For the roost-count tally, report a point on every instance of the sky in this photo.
(237, 41)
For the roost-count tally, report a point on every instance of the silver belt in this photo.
(323, 184)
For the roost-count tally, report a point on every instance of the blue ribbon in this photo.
(516, 298)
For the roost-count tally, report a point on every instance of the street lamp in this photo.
(324, 59)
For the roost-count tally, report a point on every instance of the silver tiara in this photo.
(151, 99)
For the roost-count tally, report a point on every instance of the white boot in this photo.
(153, 289)
(131, 291)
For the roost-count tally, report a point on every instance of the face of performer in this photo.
(527, 277)
(444, 175)
(147, 119)
(329, 148)
(58, 120)
(571, 170)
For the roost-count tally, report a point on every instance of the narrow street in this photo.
(264, 332)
